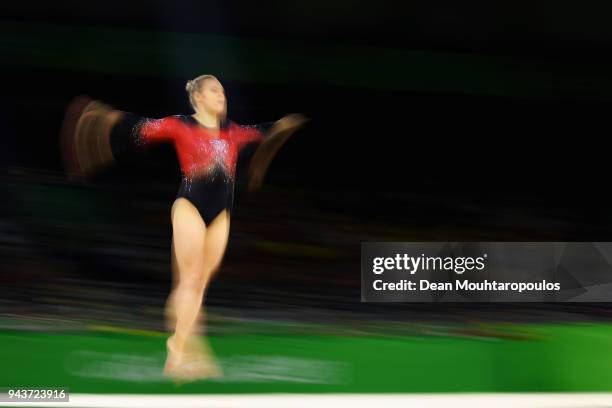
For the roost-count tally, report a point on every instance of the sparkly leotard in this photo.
(207, 157)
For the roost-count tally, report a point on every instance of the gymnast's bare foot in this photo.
(194, 362)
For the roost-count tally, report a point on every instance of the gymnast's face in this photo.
(211, 97)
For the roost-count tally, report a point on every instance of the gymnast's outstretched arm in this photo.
(94, 135)
(274, 139)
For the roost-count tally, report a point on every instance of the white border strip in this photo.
(454, 400)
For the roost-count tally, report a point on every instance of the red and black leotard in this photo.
(207, 157)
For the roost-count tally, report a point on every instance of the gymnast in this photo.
(208, 147)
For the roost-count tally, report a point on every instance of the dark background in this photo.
(429, 121)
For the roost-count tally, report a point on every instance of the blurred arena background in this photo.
(429, 121)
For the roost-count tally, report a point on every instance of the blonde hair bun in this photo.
(189, 85)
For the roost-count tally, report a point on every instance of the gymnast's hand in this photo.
(278, 134)
(85, 137)
(291, 122)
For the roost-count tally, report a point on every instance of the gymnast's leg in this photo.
(217, 234)
(197, 252)
(188, 238)
(214, 249)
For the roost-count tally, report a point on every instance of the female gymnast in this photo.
(207, 145)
